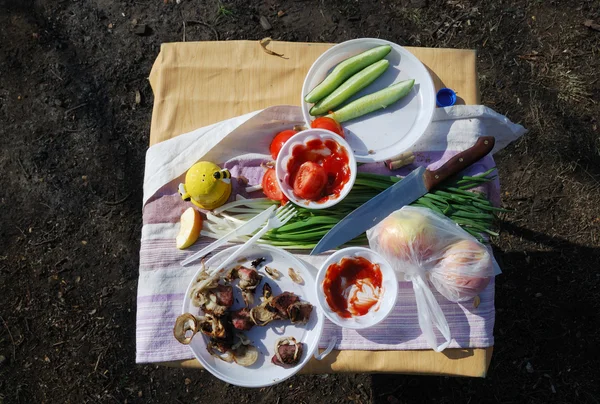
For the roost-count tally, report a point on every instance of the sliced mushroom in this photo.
(198, 297)
(262, 316)
(272, 273)
(295, 276)
(241, 340)
(217, 351)
(245, 355)
(204, 282)
(186, 326)
(267, 292)
(248, 297)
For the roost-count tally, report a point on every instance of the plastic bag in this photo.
(431, 250)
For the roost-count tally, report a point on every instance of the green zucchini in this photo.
(346, 69)
(372, 102)
(350, 87)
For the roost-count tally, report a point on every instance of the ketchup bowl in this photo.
(356, 288)
(315, 168)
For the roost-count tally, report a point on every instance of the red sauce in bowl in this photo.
(328, 154)
(345, 282)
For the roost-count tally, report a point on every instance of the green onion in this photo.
(470, 210)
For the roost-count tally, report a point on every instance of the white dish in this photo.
(391, 131)
(282, 161)
(389, 283)
(263, 372)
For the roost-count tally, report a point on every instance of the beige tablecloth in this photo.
(199, 83)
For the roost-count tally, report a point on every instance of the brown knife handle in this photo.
(462, 160)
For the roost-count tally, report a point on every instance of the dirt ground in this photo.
(73, 140)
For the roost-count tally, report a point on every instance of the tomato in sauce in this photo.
(328, 154)
(348, 282)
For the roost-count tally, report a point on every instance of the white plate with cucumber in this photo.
(367, 85)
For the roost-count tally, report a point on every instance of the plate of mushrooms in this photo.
(252, 324)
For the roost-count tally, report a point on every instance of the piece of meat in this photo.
(290, 354)
(299, 312)
(249, 278)
(282, 302)
(218, 300)
(215, 327)
(224, 295)
(241, 319)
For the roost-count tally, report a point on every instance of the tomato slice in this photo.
(279, 140)
(271, 187)
(329, 124)
(310, 181)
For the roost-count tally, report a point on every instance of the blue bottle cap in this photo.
(445, 97)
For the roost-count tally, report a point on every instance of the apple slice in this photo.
(191, 224)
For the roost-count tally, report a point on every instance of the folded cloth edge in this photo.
(170, 159)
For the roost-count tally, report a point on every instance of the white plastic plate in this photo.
(391, 131)
(263, 372)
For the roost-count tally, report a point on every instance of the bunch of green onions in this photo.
(471, 210)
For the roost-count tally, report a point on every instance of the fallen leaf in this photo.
(263, 44)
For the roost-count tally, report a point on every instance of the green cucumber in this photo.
(346, 69)
(350, 87)
(372, 102)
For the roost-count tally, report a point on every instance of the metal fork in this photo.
(280, 217)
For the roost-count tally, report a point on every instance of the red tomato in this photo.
(310, 181)
(279, 140)
(329, 124)
(271, 186)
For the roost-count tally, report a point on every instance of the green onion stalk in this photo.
(457, 200)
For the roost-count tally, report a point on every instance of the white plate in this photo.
(388, 132)
(263, 372)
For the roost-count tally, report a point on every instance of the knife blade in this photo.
(247, 228)
(412, 187)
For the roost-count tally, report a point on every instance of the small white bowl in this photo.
(285, 154)
(389, 284)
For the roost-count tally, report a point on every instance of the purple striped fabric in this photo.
(162, 286)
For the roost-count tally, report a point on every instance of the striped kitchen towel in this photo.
(240, 144)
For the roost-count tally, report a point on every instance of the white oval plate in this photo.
(389, 284)
(391, 131)
(263, 372)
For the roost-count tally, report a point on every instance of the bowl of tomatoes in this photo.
(315, 168)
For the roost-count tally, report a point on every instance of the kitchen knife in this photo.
(412, 187)
(247, 228)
